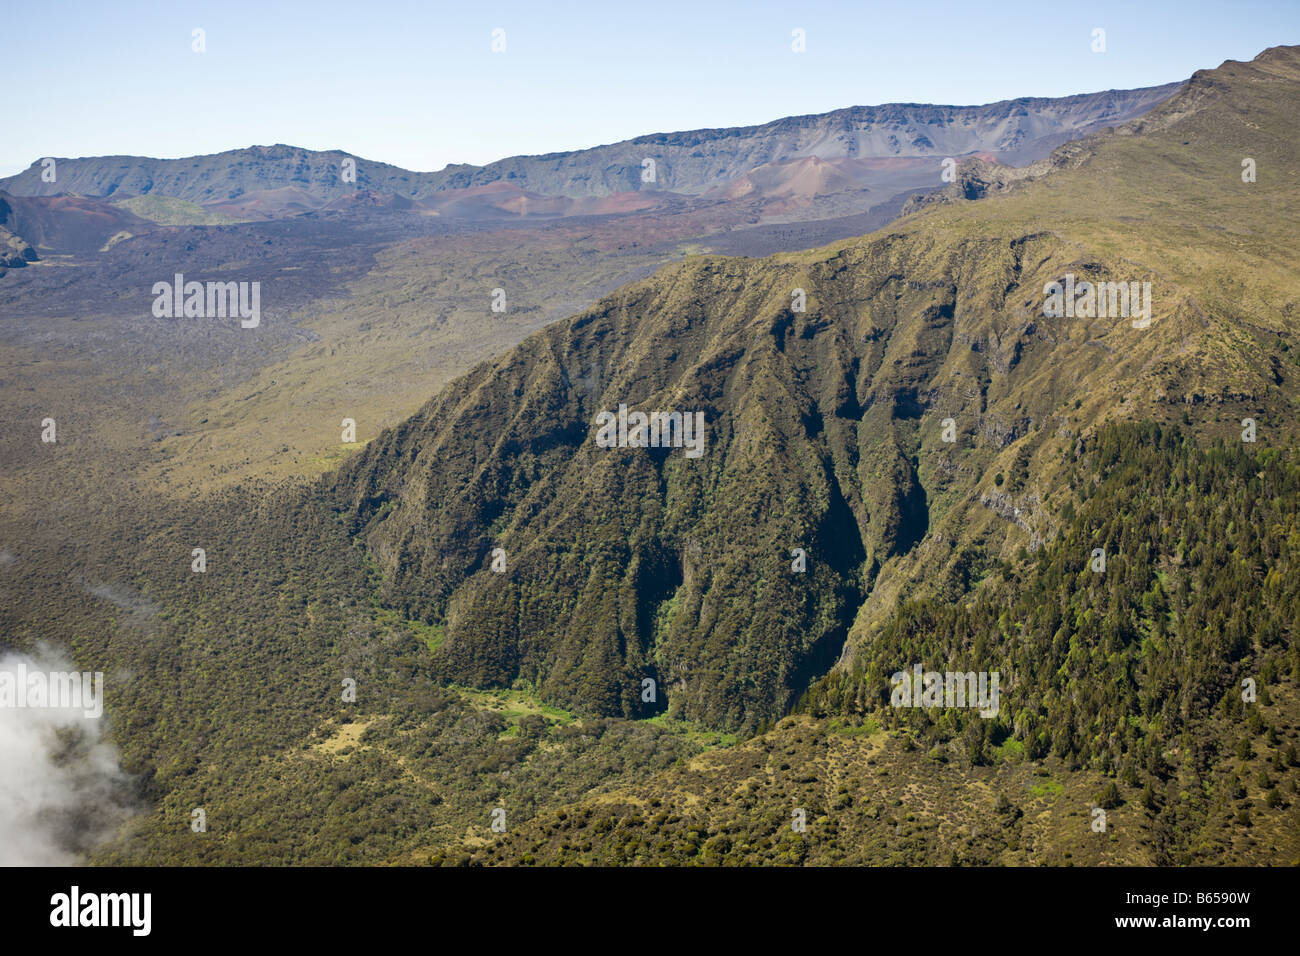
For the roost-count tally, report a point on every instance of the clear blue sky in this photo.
(416, 83)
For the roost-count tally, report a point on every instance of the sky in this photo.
(417, 83)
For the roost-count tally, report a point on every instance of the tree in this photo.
(1110, 798)
(1149, 797)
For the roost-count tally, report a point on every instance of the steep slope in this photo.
(1100, 673)
(824, 428)
(688, 162)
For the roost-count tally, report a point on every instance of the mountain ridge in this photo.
(1015, 129)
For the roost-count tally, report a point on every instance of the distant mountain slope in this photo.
(691, 162)
(687, 162)
(824, 426)
(67, 223)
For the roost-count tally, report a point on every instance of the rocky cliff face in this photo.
(693, 162)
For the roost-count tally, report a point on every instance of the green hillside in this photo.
(1121, 690)
(825, 427)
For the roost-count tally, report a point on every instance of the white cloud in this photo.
(61, 787)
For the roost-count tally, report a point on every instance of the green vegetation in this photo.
(169, 211)
(430, 635)
(1110, 670)
(523, 689)
(1201, 591)
(514, 705)
(704, 737)
(1045, 788)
